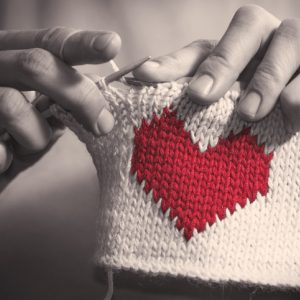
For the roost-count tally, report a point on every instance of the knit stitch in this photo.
(194, 191)
(197, 187)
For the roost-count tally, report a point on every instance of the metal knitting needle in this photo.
(4, 137)
(125, 70)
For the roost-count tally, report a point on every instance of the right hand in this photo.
(35, 60)
(257, 49)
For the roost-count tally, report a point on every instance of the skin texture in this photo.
(257, 48)
(41, 60)
(53, 226)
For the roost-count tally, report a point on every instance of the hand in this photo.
(257, 49)
(41, 60)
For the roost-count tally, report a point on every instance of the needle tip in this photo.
(125, 70)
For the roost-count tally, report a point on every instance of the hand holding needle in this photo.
(42, 102)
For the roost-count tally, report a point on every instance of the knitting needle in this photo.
(108, 79)
(125, 70)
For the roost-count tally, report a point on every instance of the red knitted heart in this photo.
(197, 186)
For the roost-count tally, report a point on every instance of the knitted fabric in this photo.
(194, 191)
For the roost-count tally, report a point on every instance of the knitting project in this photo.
(194, 191)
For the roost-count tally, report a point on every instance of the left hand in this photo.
(42, 60)
(257, 49)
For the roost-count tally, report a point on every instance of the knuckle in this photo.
(221, 58)
(12, 105)
(207, 45)
(170, 60)
(47, 37)
(218, 61)
(34, 62)
(290, 29)
(267, 75)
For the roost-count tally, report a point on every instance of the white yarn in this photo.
(110, 285)
(258, 244)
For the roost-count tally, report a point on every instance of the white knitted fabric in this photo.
(257, 243)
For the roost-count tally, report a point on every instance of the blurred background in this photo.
(48, 213)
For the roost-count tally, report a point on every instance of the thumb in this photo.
(181, 63)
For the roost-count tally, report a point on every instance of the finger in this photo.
(25, 154)
(281, 61)
(57, 127)
(181, 63)
(246, 35)
(22, 121)
(71, 45)
(6, 157)
(38, 69)
(42, 103)
(290, 104)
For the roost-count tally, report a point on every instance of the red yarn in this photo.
(197, 186)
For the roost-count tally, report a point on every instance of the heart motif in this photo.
(197, 186)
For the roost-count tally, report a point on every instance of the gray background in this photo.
(47, 214)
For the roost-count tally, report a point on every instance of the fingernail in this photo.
(250, 104)
(105, 121)
(202, 85)
(102, 41)
(6, 158)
